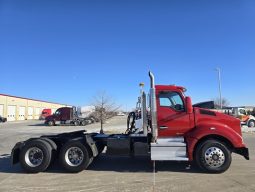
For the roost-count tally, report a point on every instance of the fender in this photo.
(206, 129)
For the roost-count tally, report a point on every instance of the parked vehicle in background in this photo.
(2, 119)
(68, 116)
(120, 114)
(89, 113)
(45, 113)
(244, 116)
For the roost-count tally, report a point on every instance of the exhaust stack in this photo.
(153, 109)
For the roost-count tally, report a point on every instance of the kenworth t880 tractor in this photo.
(171, 129)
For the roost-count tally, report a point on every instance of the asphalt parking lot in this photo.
(118, 173)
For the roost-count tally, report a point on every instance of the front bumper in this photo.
(243, 151)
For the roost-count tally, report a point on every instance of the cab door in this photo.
(173, 120)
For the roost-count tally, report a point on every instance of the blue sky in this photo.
(68, 51)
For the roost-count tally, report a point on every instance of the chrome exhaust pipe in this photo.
(144, 114)
(153, 109)
(152, 80)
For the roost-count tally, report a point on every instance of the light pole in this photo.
(219, 81)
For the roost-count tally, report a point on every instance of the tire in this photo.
(251, 123)
(76, 123)
(53, 148)
(70, 163)
(213, 156)
(92, 119)
(35, 156)
(51, 123)
(52, 143)
(83, 123)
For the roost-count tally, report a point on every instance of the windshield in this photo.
(57, 113)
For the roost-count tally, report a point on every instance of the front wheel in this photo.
(51, 123)
(213, 156)
(74, 156)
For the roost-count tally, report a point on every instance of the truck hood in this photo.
(206, 116)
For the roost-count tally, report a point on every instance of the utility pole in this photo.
(219, 81)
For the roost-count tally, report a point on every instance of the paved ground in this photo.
(118, 174)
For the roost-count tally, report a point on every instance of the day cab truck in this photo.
(172, 130)
(68, 116)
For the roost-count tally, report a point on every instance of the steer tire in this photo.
(45, 152)
(65, 161)
(51, 123)
(207, 150)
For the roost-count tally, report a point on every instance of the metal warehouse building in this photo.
(20, 108)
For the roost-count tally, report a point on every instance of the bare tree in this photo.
(105, 107)
(225, 102)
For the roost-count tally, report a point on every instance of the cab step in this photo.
(169, 149)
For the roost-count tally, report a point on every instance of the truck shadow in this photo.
(139, 164)
(106, 163)
(37, 125)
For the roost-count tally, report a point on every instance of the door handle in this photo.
(163, 127)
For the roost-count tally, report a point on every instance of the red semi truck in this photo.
(172, 130)
(45, 113)
(68, 116)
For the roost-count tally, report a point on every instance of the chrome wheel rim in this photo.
(214, 157)
(74, 156)
(34, 157)
(252, 124)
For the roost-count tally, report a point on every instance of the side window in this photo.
(165, 102)
(171, 99)
(242, 111)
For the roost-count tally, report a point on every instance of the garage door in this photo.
(53, 111)
(30, 113)
(2, 110)
(37, 113)
(11, 113)
(22, 112)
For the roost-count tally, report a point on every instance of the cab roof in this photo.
(170, 88)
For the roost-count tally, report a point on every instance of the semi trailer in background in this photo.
(170, 129)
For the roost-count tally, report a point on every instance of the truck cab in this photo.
(45, 113)
(61, 114)
(182, 132)
(65, 115)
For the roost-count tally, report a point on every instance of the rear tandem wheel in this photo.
(35, 156)
(74, 156)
